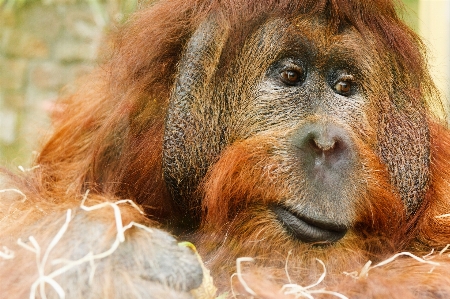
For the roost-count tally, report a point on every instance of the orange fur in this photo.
(109, 146)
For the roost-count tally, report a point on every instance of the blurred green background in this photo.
(46, 44)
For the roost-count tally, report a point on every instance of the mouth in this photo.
(309, 230)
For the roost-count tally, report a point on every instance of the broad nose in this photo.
(323, 145)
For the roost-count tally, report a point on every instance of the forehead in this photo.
(314, 41)
(318, 40)
(317, 32)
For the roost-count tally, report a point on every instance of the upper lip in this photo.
(309, 229)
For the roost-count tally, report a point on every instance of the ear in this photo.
(189, 108)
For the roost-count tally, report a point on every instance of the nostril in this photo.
(321, 144)
(324, 144)
(325, 152)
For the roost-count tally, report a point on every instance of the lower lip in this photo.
(305, 230)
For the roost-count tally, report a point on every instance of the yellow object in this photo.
(206, 290)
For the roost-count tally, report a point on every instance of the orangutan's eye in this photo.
(344, 85)
(292, 76)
